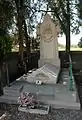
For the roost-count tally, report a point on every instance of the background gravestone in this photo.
(48, 32)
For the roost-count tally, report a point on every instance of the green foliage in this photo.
(5, 46)
(60, 13)
(35, 43)
(80, 8)
(6, 21)
(6, 15)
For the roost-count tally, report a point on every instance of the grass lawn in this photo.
(15, 49)
(72, 49)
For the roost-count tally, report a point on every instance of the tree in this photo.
(80, 8)
(19, 10)
(24, 20)
(6, 20)
(80, 43)
(6, 16)
(63, 11)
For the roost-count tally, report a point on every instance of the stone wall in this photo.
(12, 61)
(76, 58)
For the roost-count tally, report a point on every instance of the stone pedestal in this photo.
(48, 32)
(42, 62)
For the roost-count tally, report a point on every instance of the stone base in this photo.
(62, 104)
(55, 95)
(35, 110)
(55, 62)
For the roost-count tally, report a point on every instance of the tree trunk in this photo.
(68, 41)
(27, 45)
(20, 39)
(27, 39)
(68, 28)
(80, 9)
(1, 87)
(20, 27)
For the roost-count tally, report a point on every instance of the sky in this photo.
(62, 40)
(74, 39)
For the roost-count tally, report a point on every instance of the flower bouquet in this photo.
(27, 100)
(28, 103)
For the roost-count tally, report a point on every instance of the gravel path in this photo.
(10, 112)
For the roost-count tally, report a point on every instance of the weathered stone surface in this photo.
(9, 99)
(48, 74)
(48, 32)
(56, 95)
(35, 111)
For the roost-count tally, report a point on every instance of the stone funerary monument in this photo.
(49, 63)
(48, 32)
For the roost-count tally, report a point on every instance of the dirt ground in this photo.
(10, 112)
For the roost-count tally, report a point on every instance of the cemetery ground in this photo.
(44, 83)
(10, 112)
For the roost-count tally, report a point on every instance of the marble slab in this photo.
(47, 74)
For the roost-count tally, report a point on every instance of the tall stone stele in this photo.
(48, 32)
